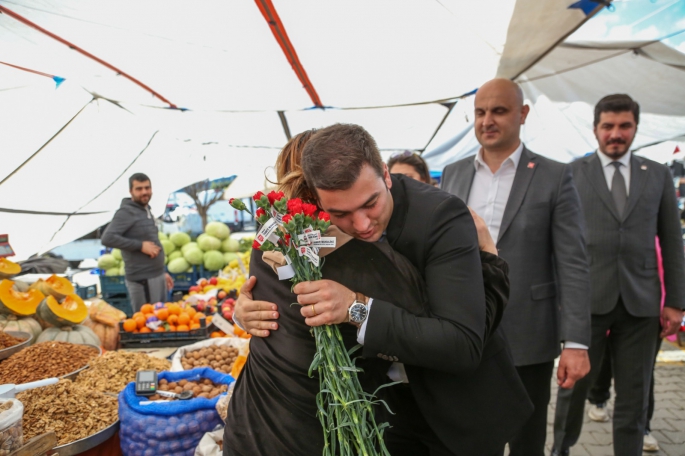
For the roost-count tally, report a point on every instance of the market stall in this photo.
(73, 370)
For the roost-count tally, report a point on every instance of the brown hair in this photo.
(617, 103)
(415, 161)
(289, 175)
(333, 158)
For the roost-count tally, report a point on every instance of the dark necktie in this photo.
(618, 188)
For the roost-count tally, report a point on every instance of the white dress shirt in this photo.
(609, 169)
(490, 191)
(489, 195)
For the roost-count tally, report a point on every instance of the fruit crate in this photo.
(162, 339)
(112, 285)
(86, 292)
(120, 301)
(185, 280)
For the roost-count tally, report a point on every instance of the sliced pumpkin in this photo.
(8, 268)
(59, 287)
(69, 311)
(19, 303)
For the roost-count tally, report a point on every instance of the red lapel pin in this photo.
(531, 165)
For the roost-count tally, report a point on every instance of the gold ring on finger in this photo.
(314, 310)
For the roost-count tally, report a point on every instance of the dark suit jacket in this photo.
(541, 237)
(622, 250)
(468, 390)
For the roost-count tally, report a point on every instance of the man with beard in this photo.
(627, 201)
(134, 232)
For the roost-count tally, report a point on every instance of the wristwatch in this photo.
(359, 310)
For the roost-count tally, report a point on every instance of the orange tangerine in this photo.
(162, 314)
(195, 326)
(145, 329)
(182, 328)
(174, 309)
(183, 319)
(198, 316)
(160, 329)
(190, 311)
(147, 309)
(130, 325)
(140, 321)
(137, 314)
(172, 320)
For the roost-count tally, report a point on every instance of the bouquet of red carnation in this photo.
(295, 229)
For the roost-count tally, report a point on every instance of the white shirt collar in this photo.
(606, 161)
(515, 157)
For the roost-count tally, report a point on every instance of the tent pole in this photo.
(284, 123)
(25, 21)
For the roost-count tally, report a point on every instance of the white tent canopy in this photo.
(67, 152)
(563, 87)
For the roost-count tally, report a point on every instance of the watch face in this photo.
(358, 312)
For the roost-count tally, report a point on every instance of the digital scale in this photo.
(5, 247)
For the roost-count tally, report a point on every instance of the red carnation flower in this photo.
(257, 196)
(274, 196)
(287, 238)
(231, 201)
(309, 209)
(324, 216)
(287, 218)
(255, 245)
(295, 206)
(260, 212)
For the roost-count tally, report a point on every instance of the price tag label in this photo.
(276, 215)
(329, 242)
(223, 324)
(266, 231)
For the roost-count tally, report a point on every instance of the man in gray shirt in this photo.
(134, 232)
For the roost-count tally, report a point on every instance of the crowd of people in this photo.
(471, 290)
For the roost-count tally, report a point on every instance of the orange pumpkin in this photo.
(108, 335)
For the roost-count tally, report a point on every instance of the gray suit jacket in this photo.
(622, 250)
(541, 237)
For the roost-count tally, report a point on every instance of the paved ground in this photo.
(668, 424)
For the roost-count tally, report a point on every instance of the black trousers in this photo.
(536, 379)
(599, 393)
(632, 343)
(409, 434)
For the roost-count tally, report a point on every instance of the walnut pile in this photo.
(218, 357)
(10, 436)
(45, 360)
(71, 411)
(203, 387)
(7, 341)
(112, 371)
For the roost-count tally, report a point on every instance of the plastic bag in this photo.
(168, 428)
(243, 346)
(210, 445)
(11, 432)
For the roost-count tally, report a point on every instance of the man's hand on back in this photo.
(255, 317)
(169, 282)
(150, 249)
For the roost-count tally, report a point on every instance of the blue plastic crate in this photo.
(121, 302)
(185, 280)
(86, 292)
(112, 285)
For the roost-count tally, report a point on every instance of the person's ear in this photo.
(524, 113)
(386, 177)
